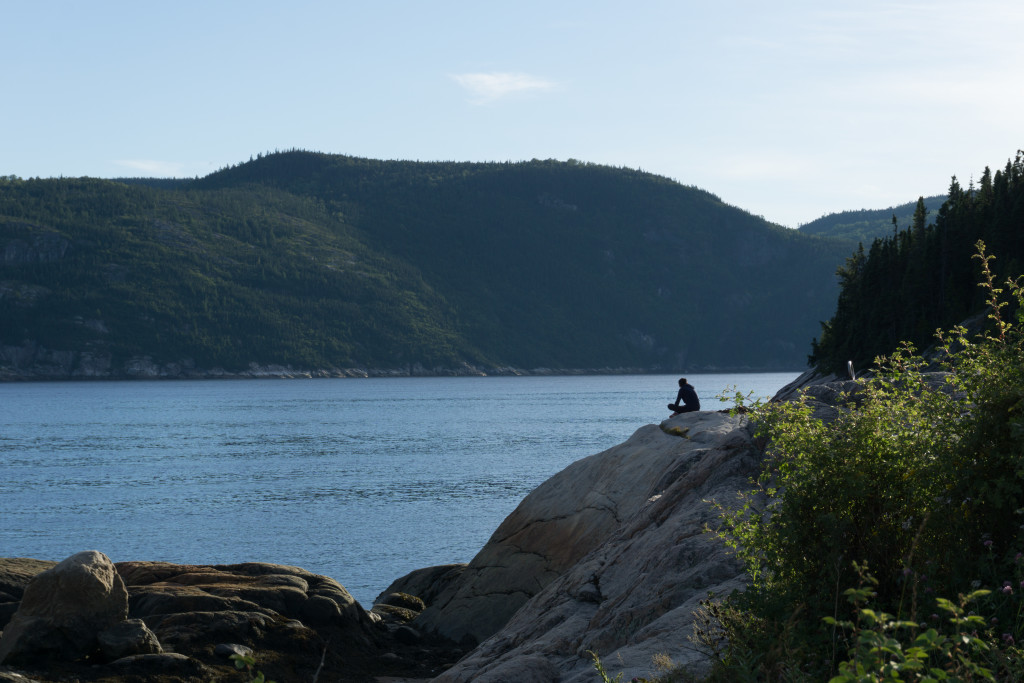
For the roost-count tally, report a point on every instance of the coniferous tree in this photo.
(923, 278)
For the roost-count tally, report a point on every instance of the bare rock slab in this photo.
(609, 555)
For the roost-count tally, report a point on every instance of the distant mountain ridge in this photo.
(329, 262)
(866, 225)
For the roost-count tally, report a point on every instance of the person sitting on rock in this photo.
(688, 396)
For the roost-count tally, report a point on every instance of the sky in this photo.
(789, 110)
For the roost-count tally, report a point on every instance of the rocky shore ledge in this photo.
(608, 556)
(90, 619)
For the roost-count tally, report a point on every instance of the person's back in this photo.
(688, 396)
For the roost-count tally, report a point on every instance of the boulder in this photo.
(165, 666)
(243, 603)
(426, 584)
(568, 516)
(285, 615)
(228, 650)
(196, 632)
(629, 554)
(269, 589)
(130, 637)
(63, 609)
(808, 378)
(403, 600)
(181, 623)
(393, 614)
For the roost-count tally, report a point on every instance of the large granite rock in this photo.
(126, 639)
(284, 613)
(615, 550)
(63, 609)
(427, 584)
(562, 520)
(609, 555)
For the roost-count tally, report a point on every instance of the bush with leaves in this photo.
(950, 648)
(920, 477)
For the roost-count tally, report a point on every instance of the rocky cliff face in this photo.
(610, 555)
(44, 245)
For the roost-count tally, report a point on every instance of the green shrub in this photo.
(953, 647)
(921, 478)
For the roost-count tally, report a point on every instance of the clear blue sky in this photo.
(789, 110)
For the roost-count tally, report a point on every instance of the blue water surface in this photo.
(362, 480)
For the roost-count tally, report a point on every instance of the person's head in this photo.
(682, 381)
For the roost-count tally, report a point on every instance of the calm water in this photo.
(362, 480)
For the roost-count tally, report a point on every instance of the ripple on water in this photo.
(361, 480)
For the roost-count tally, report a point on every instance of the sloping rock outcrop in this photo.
(630, 574)
(609, 555)
(427, 584)
(562, 520)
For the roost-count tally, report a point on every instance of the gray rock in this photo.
(15, 677)
(7, 610)
(393, 614)
(63, 609)
(194, 607)
(807, 378)
(163, 664)
(567, 517)
(404, 600)
(829, 396)
(640, 571)
(407, 635)
(148, 601)
(131, 637)
(187, 631)
(528, 667)
(320, 609)
(228, 649)
(426, 584)
(164, 588)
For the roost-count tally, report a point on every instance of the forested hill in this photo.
(907, 285)
(327, 262)
(868, 225)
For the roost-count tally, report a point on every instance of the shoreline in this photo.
(176, 371)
